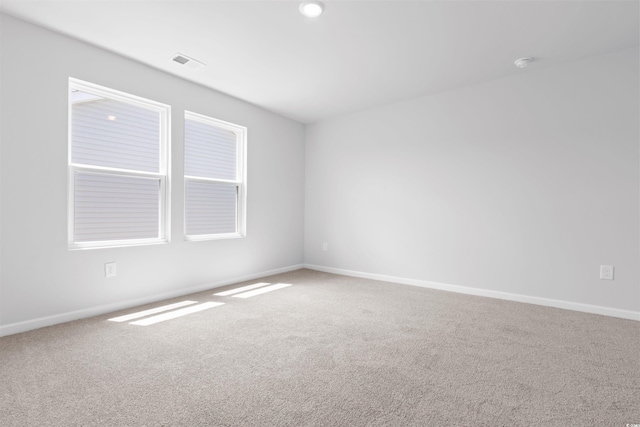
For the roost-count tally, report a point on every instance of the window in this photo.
(215, 180)
(118, 168)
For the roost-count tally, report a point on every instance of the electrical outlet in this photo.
(606, 272)
(325, 247)
(110, 269)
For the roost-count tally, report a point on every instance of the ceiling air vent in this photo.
(186, 61)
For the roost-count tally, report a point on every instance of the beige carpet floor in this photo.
(329, 351)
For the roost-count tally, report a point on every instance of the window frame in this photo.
(163, 174)
(240, 182)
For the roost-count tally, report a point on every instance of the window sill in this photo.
(115, 244)
(205, 237)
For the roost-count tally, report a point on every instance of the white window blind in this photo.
(215, 184)
(211, 208)
(115, 134)
(210, 151)
(115, 207)
(118, 190)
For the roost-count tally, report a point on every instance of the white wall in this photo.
(40, 277)
(523, 185)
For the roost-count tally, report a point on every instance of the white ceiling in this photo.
(357, 55)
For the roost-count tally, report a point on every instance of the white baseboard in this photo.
(567, 305)
(41, 322)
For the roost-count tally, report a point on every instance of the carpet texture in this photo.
(329, 350)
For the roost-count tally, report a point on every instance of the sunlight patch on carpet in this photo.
(242, 289)
(262, 290)
(151, 311)
(176, 313)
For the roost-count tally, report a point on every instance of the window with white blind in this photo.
(215, 180)
(118, 168)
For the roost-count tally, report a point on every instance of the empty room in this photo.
(319, 213)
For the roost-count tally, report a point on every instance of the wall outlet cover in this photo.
(110, 269)
(606, 272)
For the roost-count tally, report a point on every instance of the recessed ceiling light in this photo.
(311, 8)
(523, 62)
